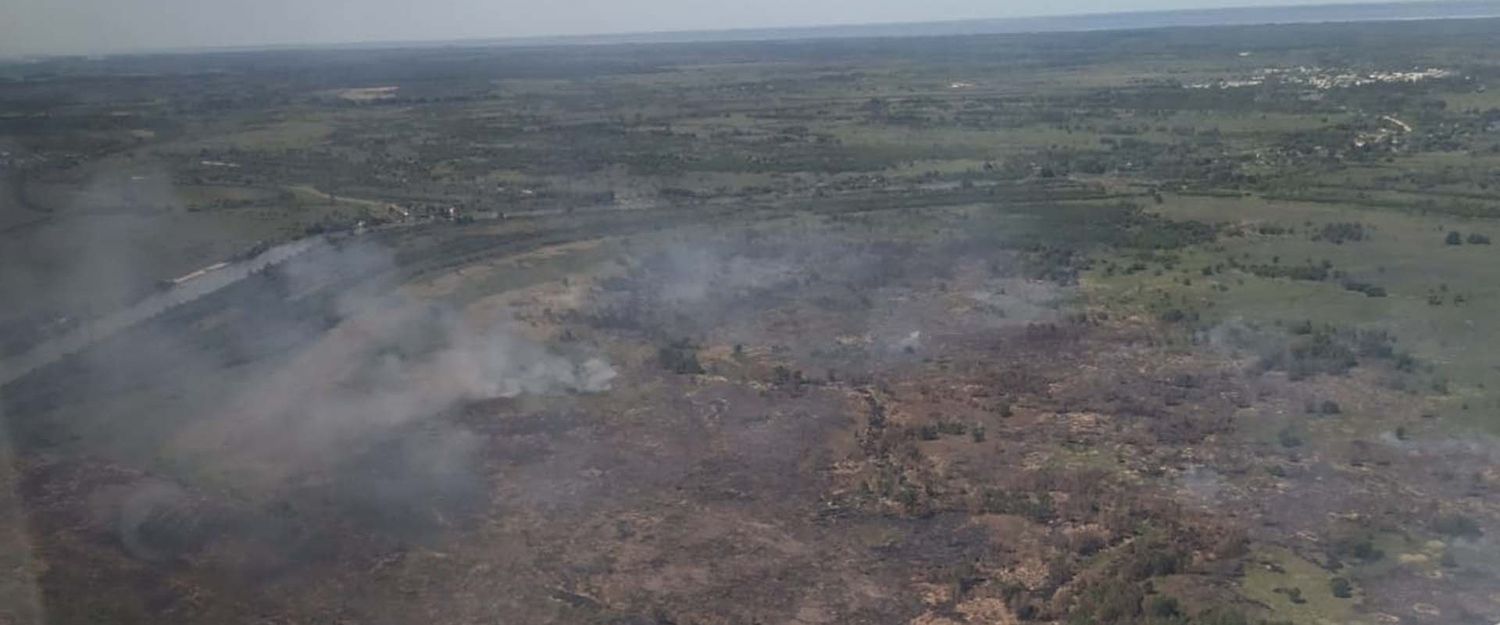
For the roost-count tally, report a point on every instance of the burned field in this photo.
(801, 420)
(1158, 327)
(872, 417)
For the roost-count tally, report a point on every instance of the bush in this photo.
(680, 357)
(1293, 595)
(1163, 607)
(1457, 526)
(1222, 616)
(1341, 588)
(1328, 350)
(952, 428)
(1036, 507)
(1338, 233)
(1154, 559)
(1289, 438)
(1359, 547)
(1111, 602)
(1311, 273)
(1370, 290)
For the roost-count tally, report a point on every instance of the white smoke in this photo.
(392, 360)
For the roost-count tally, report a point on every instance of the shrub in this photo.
(1111, 602)
(1370, 290)
(1359, 547)
(952, 428)
(680, 357)
(1328, 350)
(1222, 616)
(1311, 273)
(1289, 438)
(1338, 233)
(1341, 587)
(1457, 526)
(1293, 594)
(1037, 507)
(1163, 607)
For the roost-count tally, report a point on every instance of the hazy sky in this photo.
(69, 26)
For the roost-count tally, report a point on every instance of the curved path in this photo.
(94, 331)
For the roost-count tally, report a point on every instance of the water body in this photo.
(96, 330)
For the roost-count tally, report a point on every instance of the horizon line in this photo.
(810, 32)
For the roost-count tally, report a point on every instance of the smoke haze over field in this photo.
(348, 377)
(390, 361)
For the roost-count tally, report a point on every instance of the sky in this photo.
(98, 26)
